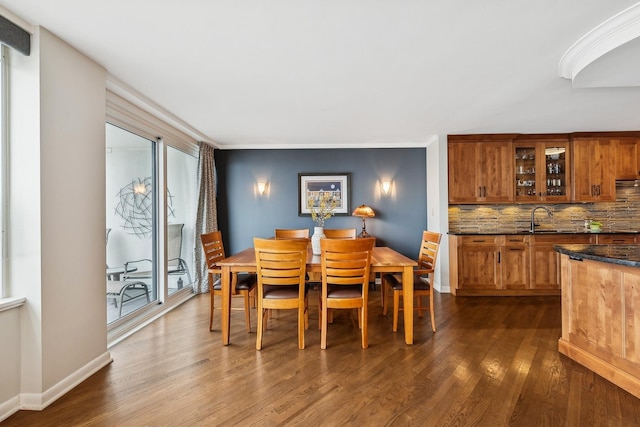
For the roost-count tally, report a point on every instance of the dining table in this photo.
(383, 260)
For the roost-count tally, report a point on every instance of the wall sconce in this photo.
(386, 187)
(262, 187)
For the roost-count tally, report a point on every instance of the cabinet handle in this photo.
(593, 190)
(499, 257)
(599, 190)
(479, 191)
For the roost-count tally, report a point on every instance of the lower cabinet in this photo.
(518, 264)
(545, 261)
(514, 262)
(479, 262)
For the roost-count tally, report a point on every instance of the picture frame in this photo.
(313, 185)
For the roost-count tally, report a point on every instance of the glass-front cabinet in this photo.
(542, 170)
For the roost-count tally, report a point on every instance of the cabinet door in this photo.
(604, 171)
(556, 163)
(463, 162)
(496, 171)
(478, 267)
(514, 264)
(545, 267)
(527, 172)
(542, 170)
(545, 261)
(582, 185)
(593, 167)
(627, 156)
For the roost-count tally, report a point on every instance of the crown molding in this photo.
(611, 34)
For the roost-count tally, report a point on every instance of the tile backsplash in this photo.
(623, 215)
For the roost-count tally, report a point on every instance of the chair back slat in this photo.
(282, 233)
(340, 233)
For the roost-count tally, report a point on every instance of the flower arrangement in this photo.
(324, 210)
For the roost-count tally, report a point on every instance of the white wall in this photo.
(437, 206)
(56, 219)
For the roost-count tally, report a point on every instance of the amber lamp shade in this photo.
(364, 211)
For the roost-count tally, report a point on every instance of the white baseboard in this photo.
(9, 408)
(39, 401)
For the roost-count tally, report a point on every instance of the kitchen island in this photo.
(601, 310)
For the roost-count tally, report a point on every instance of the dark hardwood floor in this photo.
(493, 362)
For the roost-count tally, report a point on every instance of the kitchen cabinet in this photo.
(627, 158)
(487, 265)
(479, 262)
(594, 169)
(514, 262)
(480, 169)
(545, 261)
(542, 169)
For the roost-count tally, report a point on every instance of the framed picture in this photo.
(313, 186)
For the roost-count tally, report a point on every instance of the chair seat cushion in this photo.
(419, 282)
(245, 282)
(280, 291)
(344, 291)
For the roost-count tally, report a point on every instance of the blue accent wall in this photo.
(400, 217)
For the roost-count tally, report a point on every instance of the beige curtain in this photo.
(207, 215)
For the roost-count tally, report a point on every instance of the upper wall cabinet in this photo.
(480, 168)
(594, 169)
(542, 169)
(627, 158)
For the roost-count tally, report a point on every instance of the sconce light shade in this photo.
(364, 211)
(262, 187)
(386, 187)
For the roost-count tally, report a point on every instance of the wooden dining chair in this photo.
(340, 233)
(422, 281)
(345, 280)
(281, 266)
(241, 284)
(315, 279)
(287, 233)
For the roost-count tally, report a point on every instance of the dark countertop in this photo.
(537, 233)
(628, 255)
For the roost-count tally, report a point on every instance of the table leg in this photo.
(226, 304)
(407, 295)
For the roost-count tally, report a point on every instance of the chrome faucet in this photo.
(533, 213)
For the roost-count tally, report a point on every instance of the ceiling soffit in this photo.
(594, 60)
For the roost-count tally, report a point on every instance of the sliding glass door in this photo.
(181, 196)
(131, 222)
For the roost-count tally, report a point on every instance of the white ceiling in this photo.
(351, 73)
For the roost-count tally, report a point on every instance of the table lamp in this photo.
(364, 211)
